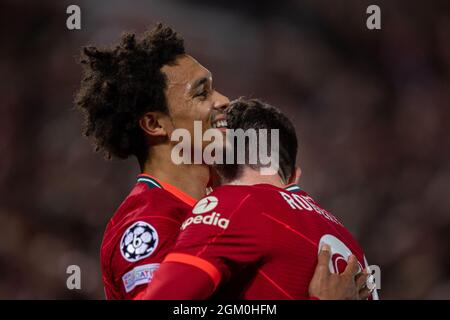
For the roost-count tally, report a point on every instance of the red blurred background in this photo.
(371, 109)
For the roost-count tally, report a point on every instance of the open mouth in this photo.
(220, 124)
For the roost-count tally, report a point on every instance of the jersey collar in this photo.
(152, 182)
(293, 187)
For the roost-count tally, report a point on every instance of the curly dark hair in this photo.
(120, 85)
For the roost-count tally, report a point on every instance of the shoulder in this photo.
(150, 212)
(225, 204)
(227, 198)
(262, 194)
(142, 197)
(144, 202)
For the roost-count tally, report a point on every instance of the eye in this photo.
(202, 94)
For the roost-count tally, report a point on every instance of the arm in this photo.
(182, 281)
(178, 281)
(197, 279)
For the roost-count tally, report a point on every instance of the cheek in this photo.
(179, 106)
(181, 112)
(184, 115)
(204, 116)
(203, 111)
(185, 119)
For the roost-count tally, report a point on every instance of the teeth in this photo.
(220, 124)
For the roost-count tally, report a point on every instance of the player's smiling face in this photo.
(191, 96)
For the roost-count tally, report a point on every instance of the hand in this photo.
(349, 285)
(361, 284)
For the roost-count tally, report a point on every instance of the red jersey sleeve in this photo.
(178, 281)
(136, 253)
(222, 235)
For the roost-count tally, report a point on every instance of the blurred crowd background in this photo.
(372, 110)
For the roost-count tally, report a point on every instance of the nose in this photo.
(220, 102)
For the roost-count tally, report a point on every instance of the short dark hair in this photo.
(120, 85)
(255, 114)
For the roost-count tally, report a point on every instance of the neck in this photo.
(192, 179)
(250, 177)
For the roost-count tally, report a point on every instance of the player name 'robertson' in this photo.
(212, 219)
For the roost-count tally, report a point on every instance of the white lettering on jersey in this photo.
(299, 202)
(213, 219)
(139, 275)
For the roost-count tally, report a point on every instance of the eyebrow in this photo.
(199, 82)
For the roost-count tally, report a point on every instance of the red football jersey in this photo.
(140, 234)
(261, 242)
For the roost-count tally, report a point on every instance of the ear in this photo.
(295, 176)
(153, 124)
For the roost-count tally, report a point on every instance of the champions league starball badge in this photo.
(139, 241)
